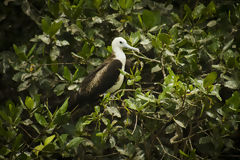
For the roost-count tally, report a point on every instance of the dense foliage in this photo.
(180, 100)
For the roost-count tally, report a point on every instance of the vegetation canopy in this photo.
(179, 100)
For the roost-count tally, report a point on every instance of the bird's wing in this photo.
(103, 78)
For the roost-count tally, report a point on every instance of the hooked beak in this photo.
(132, 48)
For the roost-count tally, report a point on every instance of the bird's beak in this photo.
(132, 48)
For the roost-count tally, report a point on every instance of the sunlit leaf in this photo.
(227, 45)
(75, 142)
(114, 111)
(29, 102)
(49, 140)
(210, 79)
(233, 84)
(212, 23)
(130, 104)
(63, 108)
(54, 53)
(180, 123)
(38, 148)
(183, 153)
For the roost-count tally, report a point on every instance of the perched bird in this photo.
(106, 77)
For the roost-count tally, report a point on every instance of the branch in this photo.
(135, 126)
(142, 56)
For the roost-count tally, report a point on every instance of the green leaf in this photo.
(204, 140)
(62, 139)
(212, 23)
(97, 109)
(129, 3)
(76, 75)
(20, 51)
(77, 11)
(61, 119)
(112, 141)
(59, 89)
(17, 142)
(46, 24)
(137, 78)
(114, 4)
(40, 119)
(82, 122)
(130, 82)
(29, 102)
(210, 79)
(125, 4)
(86, 51)
(183, 153)
(170, 128)
(37, 149)
(55, 26)
(4, 150)
(63, 108)
(114, 111)
(75, 142)
(164, 38)
(180, 123)
(227, 45)
(198, 11)
(48, 140)
(215, 91)
(67, 74)
(31, 50)
(211, 8)
(22, 156)
(149, 18)
(97, 3)
(53, 7)
(130, 104)
(188, 11)
(145, 98)
(234, 101)
(134, 38)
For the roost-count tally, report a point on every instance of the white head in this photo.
(119, 43)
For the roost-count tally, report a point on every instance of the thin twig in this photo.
(165, 152)
(162, 64)
(188, 137)
(106, 155)
(29, 135)
(135, 126)
(49, 64)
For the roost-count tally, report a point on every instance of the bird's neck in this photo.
(120, 55)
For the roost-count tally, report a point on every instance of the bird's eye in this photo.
(120, 42)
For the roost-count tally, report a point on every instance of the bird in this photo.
(106, 77)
